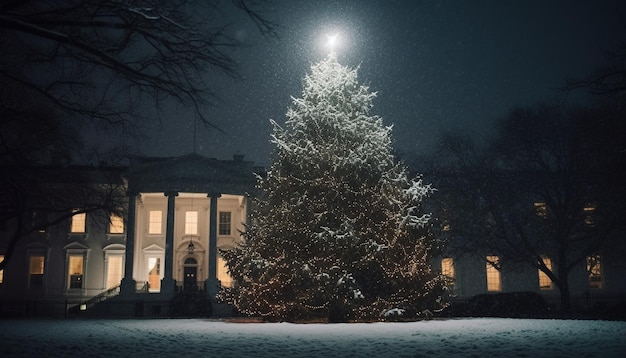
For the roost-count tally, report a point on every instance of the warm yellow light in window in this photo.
(154, 274)
(116, 225)
(191, 223)
(79, 222)
(545, 283)
(114, 270)
(447, 269)
(1, 271)
(155, 222)
(493, 274)
(222, 273)
(75, 271)
(36, 265)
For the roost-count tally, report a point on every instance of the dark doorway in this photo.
(190, 271)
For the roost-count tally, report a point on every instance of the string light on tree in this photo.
(339, 232)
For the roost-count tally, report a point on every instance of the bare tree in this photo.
(565, 160)
(606, 81)
(104, 59)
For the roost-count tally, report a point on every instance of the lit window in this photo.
(191, 223)
(154, 274)
(224, 228)
(222, 273)
(541, 209)
(115, 267)
(1, 271)
(589, 211)
(493, 274)
(447, 269)
(155, 222)
(36, 270)
(545, 283)
(116, 225)
(79, 221)
(594, 269)
(75, 271)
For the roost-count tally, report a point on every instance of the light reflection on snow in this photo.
(192, 337)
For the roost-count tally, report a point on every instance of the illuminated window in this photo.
(191, 223)
(155, 224)
(115, 268)
(79, 222)
(154, 274)
(116, 224)
(493, 274)
(541, 209)
(75, 271)
(222, 273)
(1, 271)
(545, 283)
(589, 211)
(594, 269)
(447, 269)
(36, 271)
(224, 228)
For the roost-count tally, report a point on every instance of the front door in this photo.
(190, 280)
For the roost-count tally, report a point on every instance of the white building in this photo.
(181, 212)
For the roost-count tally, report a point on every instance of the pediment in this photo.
(75, 246)
(153, 248)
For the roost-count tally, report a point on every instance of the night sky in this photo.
(436, 65)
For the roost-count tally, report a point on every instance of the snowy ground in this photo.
(488, 337)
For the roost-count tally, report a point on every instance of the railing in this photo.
(111, 292)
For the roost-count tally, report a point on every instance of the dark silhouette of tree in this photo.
(108, 60)
(608, 81)
(65, 63)
(566, 160)
(38, 187)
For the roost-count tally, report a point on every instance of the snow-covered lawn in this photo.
(488, 337)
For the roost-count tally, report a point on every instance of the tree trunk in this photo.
(566, 303)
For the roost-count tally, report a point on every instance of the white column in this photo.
(128, 284)
(168, 284)
(212, 283)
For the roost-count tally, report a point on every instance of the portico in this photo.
(181, 211)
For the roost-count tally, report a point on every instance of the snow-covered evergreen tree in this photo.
(339, 232)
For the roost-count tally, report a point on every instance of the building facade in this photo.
(180, 212)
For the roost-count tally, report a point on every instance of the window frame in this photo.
(116, 222)
(191, 224)
(37, 283)
(493, 267)
(224, 228)
(545, 283)
(448, 270)
(76, 280)
(78, 226)
(153, 224)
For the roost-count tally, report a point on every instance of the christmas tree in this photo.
(339, 232)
